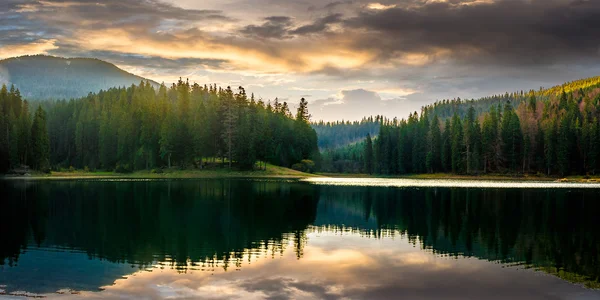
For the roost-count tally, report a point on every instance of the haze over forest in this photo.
(349, 59)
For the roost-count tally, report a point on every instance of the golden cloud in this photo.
(38, 47)
(243, 55)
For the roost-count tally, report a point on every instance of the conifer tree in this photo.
(23, 134)
(368, 155)
(435, 145)
(40, 143)
(457, 144)
(230, 118)
(447, 147)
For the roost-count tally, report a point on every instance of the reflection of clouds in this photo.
(349, 266)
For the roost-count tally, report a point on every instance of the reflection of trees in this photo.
(202, 223)
(553, 230)
(219, 223)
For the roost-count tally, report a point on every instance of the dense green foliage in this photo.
(23, 137)
(558, 135)
(42, 77)
(126, 129)
(334, 135)
(434, 146)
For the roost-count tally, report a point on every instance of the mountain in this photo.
(333, 135)
(41, 77)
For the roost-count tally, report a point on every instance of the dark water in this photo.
(246, 239)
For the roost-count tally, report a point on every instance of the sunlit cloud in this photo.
(37, 47)
(379, 6)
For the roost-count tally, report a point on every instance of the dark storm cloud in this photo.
(119, 13)
(281, 27)
(505, 31)
(318, 26)
(275, 27)
(56, 18)
(336, 4)
(16, 29)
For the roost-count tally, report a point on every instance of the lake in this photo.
(299, 239)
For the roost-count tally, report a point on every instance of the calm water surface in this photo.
(324, 239)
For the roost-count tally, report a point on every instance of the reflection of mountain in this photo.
(188, 224)
(553, 230)
(140, 223)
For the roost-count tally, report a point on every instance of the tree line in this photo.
(185, 125)
(23, 137)
(556, 136)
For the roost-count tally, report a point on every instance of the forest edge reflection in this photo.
(190, 223)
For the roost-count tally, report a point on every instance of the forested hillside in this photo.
(536, 132)
(138, 127)
(447, 108)
(341, 133)
(41, 77)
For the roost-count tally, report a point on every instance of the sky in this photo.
(348, 58)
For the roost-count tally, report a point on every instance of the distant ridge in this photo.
(42, 77)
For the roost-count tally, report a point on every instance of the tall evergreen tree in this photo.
(457, 145)
(40, 143)
(435, 145)
(447, 147)
(23, 134)
(368, 156)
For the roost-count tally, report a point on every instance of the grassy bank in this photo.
(272, 171)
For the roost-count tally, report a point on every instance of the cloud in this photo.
(359, 103)
(281, 27)
(37, 46)
(533, 32)
(276, 27)
(318, 26)
(379, 6)
(114, 13)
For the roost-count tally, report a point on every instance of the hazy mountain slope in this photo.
(47, 77)
(333, 135)
(447, 108)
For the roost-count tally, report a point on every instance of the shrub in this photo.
(156, 171)
(306, 165)
(123, 168)
(309, 165)
(298, 167)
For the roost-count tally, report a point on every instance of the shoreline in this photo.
(274, 172)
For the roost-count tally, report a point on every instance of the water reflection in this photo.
(241, 238)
